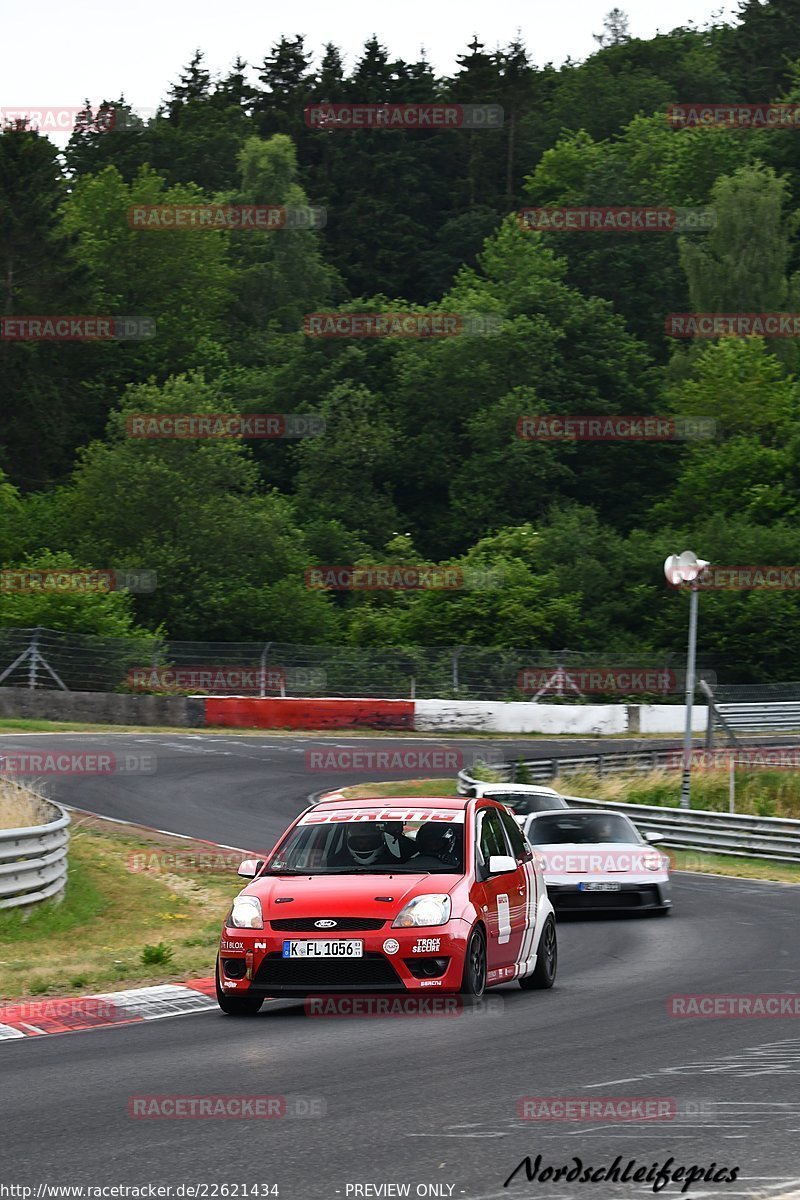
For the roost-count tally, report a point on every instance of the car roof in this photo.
(579, 812)
(403, 802)
(529, 788)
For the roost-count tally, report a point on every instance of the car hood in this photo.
(601, 860)
(343, 895)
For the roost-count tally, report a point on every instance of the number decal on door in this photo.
(503, 919)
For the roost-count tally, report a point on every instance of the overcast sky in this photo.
(59, 53)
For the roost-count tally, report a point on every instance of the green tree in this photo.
(647, 164)
(345, 474)
(750, 467)
(455, 401)
(742, 265)
(104, 613)
(41, 383)
(280, 274)
(615, 29)
(178, 277)
(229, 559)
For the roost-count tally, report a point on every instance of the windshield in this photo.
(523, 803)
(375, 847)
(581, 828)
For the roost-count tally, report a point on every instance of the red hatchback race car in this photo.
(390, 895)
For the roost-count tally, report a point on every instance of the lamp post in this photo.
(685, 568)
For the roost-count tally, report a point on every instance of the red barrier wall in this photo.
(247, 712)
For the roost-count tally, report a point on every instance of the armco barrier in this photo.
(245, 712)
(33, 861)
(690, 829)
(717, 833)
(775, 717)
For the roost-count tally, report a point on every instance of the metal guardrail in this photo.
(777, 717)
(718, 833)
(613, 762)
(33, 861)
(691, 829)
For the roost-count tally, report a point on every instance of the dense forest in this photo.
(420, 460)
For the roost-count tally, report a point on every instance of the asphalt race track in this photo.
(416, 1101)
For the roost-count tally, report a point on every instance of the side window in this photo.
(520, 848)
(491, 839)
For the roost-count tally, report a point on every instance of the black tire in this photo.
(662, 912)
(544, 974)
(473, 980)
(236, 1006)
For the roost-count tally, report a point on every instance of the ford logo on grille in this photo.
(325, 924)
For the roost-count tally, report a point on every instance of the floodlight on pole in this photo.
(686, 568)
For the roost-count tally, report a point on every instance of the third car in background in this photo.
(522, 798)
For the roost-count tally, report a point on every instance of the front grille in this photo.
(307, 924)
(373, 971)
(643, 897)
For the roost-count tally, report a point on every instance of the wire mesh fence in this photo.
(756, 693)
(44, 658)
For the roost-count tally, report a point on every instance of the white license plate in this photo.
(599, 887)
(336, 948)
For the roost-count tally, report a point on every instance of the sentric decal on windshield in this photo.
(315, 817)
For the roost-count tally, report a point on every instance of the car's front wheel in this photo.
(544, 973)
(236, 1006)
(473, 981)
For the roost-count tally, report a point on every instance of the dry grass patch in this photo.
(20, 807)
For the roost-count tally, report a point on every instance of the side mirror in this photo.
(652, 836)
(501, 864)
(249, 867)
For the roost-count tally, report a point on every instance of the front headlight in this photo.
(424, 910)
(246, 913)
(654, 861)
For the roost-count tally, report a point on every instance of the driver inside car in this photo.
(365, 846)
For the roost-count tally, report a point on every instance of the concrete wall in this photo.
(588, 719)
(670, 718)
(486, 716)
(101, 708)
(425, 716)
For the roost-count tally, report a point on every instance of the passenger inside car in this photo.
(436, 844)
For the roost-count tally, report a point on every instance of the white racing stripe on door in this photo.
(530, 917)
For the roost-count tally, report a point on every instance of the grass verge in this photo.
(140, 908)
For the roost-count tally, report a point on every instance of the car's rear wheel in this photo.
(544, 973)
(236, 1006)
(473, 981)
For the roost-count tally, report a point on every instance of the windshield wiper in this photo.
(294, 872)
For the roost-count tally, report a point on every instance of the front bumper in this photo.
(425, 960)
(637, 896)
